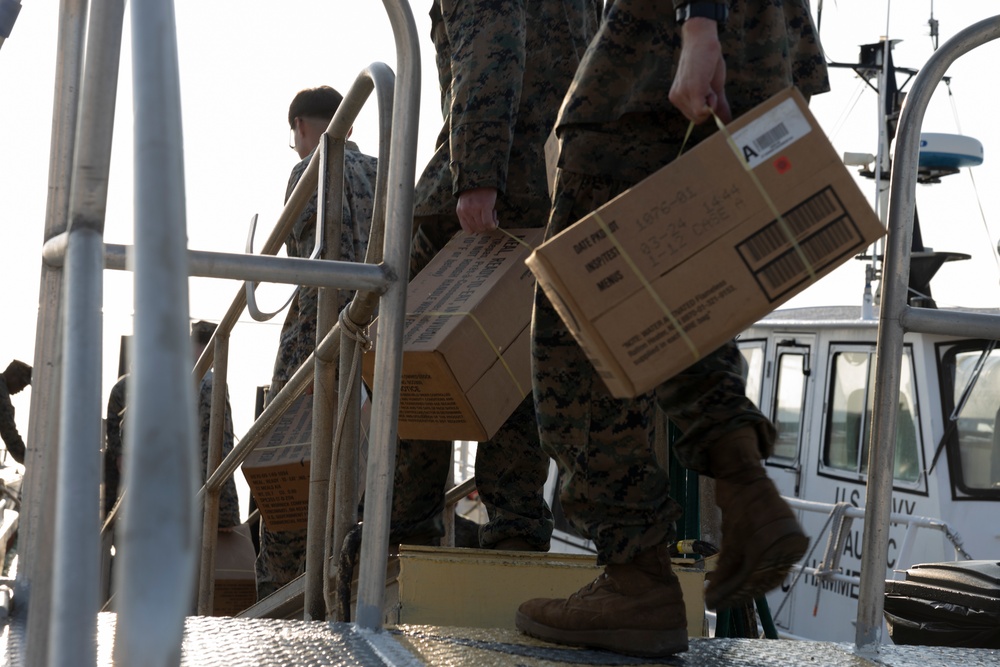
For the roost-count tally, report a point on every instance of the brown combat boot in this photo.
(636, 608)
(761, 539)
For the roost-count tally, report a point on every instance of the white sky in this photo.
(241, 62)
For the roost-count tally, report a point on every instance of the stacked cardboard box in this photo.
(466, 354)
(277, 471)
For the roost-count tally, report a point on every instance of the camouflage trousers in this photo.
(510, 473)
(282, 557)
(613, 490)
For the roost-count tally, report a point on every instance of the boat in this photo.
(813, 372)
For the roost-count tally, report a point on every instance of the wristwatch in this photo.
(717, 11)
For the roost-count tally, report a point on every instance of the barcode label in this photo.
(824, 232)
(800, 220)
(771, 137)
(778, 128)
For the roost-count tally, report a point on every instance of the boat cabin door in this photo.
(780, 380)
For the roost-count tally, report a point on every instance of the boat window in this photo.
(753, 370)
(852, 400)
(788, 401)
(975, 375)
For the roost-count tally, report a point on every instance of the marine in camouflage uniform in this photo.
(615, 128)
(113, 444)
(298, 333)
(503, 66)
(282, 553)
(229, 501)
(15, 378)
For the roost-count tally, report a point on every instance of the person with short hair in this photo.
(13, 380)
(282, 553)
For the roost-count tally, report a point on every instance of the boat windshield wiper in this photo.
(966, 392)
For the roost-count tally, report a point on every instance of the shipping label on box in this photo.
(671, 269)
(277, 471)
(466, 354)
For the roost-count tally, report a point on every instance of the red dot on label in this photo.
(782, 164)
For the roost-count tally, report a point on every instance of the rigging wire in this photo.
(972, 179)
(848, 109)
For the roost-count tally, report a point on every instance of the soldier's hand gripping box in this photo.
(466, 354)
(668, 271)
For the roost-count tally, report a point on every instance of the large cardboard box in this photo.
(712, 256)
(466, 354)
(277, 471)
(235, 578)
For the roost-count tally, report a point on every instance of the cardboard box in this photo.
(707, 245)
(466, 353)
(235, 579)
(277, 471)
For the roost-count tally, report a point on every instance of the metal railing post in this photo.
(392, 313)
(36, 528)
(160, 522)
(345, 473)
(888, 360)
(330, 212)
(76, 556)
(210, 516)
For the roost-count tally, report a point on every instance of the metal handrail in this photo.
(76, 546)
(893, 319)
(151, 611)
(392, 313)
(36, 531)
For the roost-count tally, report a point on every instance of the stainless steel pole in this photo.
(36, 530)
(156, 575)
(331, 198)
(76, 561)
(392, 314)
(346, 473)
(888, 361)
(210, 516)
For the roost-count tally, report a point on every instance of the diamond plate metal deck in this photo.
(226, 642)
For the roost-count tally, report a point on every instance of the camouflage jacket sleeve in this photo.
(359, 205)
(486, 40)
(8, 429)
(229, 503)
(306, 219)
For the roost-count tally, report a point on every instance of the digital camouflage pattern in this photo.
(616, 127)
(298, 333)
(229, 501)
(282, 553)
(8, 429)
(503, 66)
(113, 444)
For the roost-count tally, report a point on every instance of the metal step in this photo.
(211, 642)
(483, 588)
